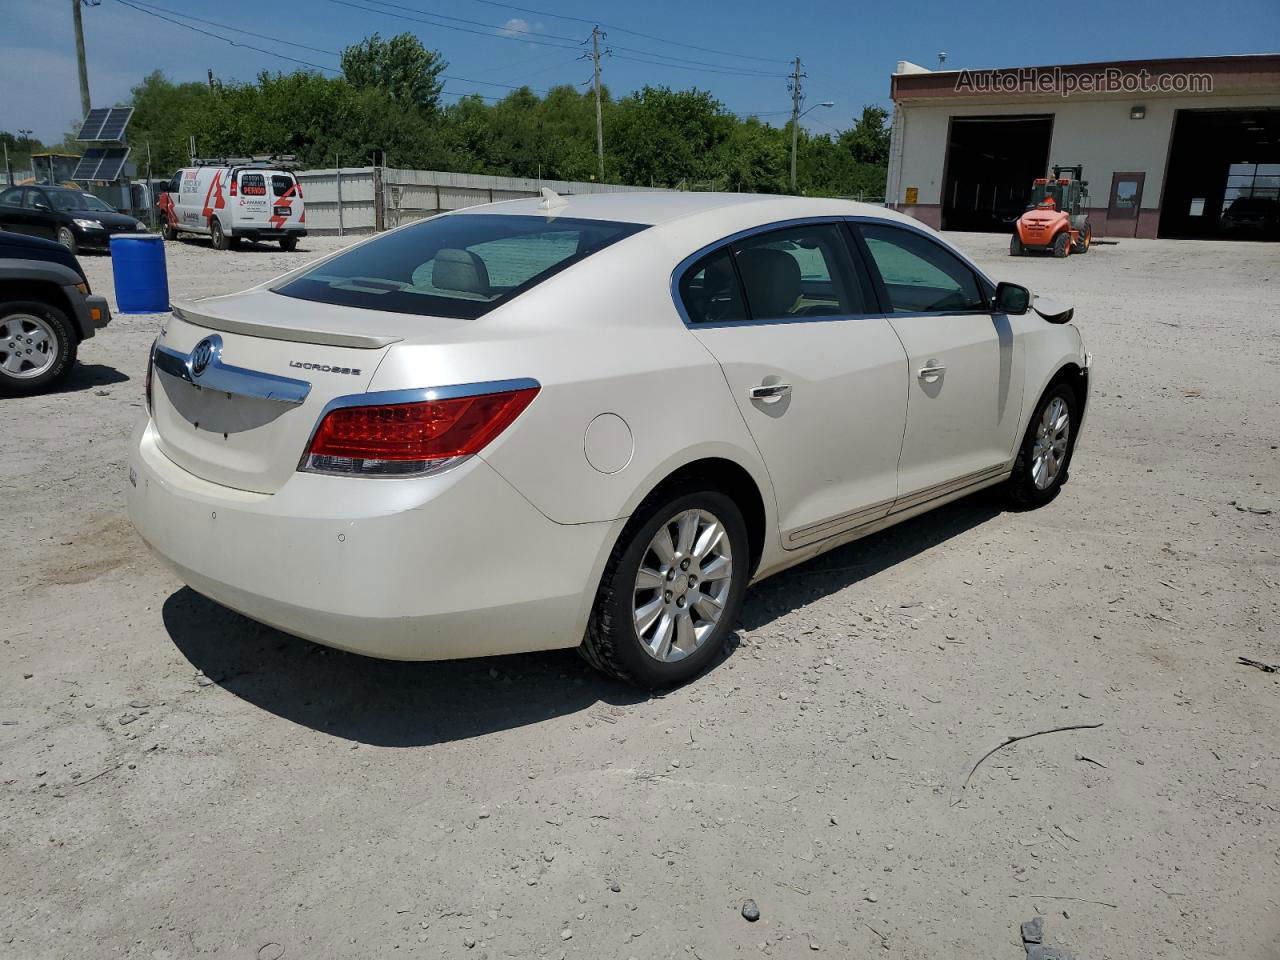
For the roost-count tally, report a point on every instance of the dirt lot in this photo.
(180, 782)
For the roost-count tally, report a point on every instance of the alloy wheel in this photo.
(682, 585)
(1050, 449)
(28, 345)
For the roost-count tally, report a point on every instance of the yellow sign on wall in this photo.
(913, 195)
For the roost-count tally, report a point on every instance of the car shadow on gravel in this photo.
(382, 702)
(403, 704)
(847, 565)
(86, 376)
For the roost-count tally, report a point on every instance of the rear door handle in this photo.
(770, 392)
(932, 370)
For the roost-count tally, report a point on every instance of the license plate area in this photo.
(282, 211)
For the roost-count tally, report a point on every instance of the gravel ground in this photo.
(178, 781)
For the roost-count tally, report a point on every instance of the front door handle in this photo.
(770, 392)
(931, 371)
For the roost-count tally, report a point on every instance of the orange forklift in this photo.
(1055, 219)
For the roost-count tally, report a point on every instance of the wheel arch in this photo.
(42, 291)
(730, 478)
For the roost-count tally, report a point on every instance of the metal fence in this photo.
(367, 199)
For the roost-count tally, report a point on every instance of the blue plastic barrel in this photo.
(142, 281)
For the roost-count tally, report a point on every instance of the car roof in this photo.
(654, 207)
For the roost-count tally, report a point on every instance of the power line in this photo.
(634, 33)
(702, 63)
(137, 5)
(521, 37)
(504, 32)
(234, 43)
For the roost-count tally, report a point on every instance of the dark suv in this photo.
(75, 219)
(46, 309)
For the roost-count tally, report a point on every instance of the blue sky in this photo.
(847, 54)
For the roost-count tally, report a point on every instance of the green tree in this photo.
(868, 139)
(402, 66)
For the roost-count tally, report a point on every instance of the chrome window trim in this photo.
(683, 266)
(225, 378)
(376, 398)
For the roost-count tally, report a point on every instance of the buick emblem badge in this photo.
(201, 356)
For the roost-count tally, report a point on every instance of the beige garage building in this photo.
(1170, 148)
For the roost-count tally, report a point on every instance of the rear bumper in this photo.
(457, 565)
(266, 233)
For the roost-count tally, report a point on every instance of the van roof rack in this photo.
(287, 161)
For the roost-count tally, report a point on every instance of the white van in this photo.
(229, 201)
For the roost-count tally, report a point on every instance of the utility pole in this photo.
(797, 97)
(595, 59)
(84, 72)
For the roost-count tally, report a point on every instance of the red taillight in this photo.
(411, 438)
(233, 186)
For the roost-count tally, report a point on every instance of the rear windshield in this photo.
(460, 266)
(280, 184)
(253, 185)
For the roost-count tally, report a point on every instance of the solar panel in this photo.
(88, 164)
(117, 120)
(93, 124)
(112, 163)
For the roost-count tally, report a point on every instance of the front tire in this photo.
(1016, 249)
(1045, 454)
(168, 230)
(1086, 240)
(67, 237)
(37, 346)
(1062, 244)
(216, 234)
(671, 591)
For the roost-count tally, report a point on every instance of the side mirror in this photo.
(1012, 298)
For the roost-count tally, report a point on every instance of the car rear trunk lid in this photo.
(240, 382)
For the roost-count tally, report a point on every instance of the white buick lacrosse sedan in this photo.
(587, 421)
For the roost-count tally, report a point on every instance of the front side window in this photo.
(253, 185)
(919, 275)
(795, 272)
(11, 197)
(460, 265)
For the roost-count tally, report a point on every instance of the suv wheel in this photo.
(37, 346)
(671, 591)
(67, 237)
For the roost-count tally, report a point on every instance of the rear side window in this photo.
(461, 265)
(798, 272)
(253, 185)
(710, 292)
(281, 184)
(11, 197)
(920, 275)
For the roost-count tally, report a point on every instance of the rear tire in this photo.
(1062, 244)
(217, 236)
(1086, 240)
(687, 603)
(1016, 249)
(1045, 455)
(288, 244)
(30, 325)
